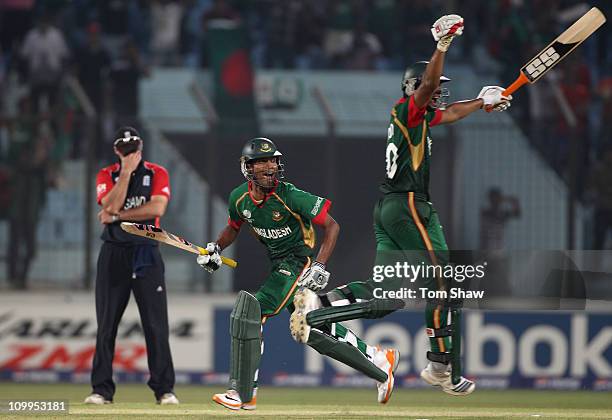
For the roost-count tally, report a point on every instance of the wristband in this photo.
(115, 218)
(320, 264)
(444, 43)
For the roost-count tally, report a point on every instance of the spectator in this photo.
(600, 183)
(220, 10)
(125, 75)
(364, 50)
(115, 21)
(575, 85)
(282, 32)
(2, 77)
(15, 20)
(493, 219)
(309, 36)
(166, 18)
(544, 119)
(416, 18)
(383, 22)
(93, 62)
(338, 37)
(45, 53)
(605, 128)
(29, 150)
(190, 33)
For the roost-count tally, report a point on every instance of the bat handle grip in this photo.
(227, 261)
(520, 81)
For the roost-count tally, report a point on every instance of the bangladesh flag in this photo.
(229, 58)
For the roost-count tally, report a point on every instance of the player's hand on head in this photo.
(211, 261)
(493, 98)
(315, 277)
(130, 162)
(445, 29)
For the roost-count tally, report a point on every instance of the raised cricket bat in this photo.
(557, 50)
(160, 235)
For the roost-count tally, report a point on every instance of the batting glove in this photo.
(493, 98)
(445, 29)
(211, 261)
(315, 277)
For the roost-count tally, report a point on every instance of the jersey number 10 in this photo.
(391, 154)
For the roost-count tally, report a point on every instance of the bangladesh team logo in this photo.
(276, 216)
(246, 213)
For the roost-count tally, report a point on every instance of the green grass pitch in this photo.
(136, 402)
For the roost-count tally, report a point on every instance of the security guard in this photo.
(137, 191)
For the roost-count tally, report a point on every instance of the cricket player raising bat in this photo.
(404, 219)
(282, 218)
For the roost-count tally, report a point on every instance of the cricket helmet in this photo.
(127, 140)
(412, 79)
(259, 148)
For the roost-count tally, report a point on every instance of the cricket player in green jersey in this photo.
(283, 218)
(405, 221)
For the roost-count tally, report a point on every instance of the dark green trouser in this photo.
(407, 229)
(276, 294)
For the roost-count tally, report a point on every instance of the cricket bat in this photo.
(160, 235)
(557, 50)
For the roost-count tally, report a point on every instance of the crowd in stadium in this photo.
(117, 41)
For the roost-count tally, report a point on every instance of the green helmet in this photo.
(412, 79)
(259, 148)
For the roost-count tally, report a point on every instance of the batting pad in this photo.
(245, 330)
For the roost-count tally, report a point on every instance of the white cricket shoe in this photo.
(230, 399)
(96, 399)
(443, 380)
(387, 361)
(168, 399)
(305, 300)
(251, 405)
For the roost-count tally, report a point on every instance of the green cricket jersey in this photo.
(283, 221)
(409, 148)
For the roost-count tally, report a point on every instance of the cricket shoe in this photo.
(231, 399)
(443, 380)
(96, 399)
(168, 399)
(251, 405)
(387, 361)
(305, 300)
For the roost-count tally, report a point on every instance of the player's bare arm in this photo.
(461, 109)
(316, 276)
(227, 237)
(114, 200)
(431, 80)
(332, 230)
(444, 30)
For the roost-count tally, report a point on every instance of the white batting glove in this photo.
(315, 277)
(211, 261)
(445, 29)
(493, 98)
